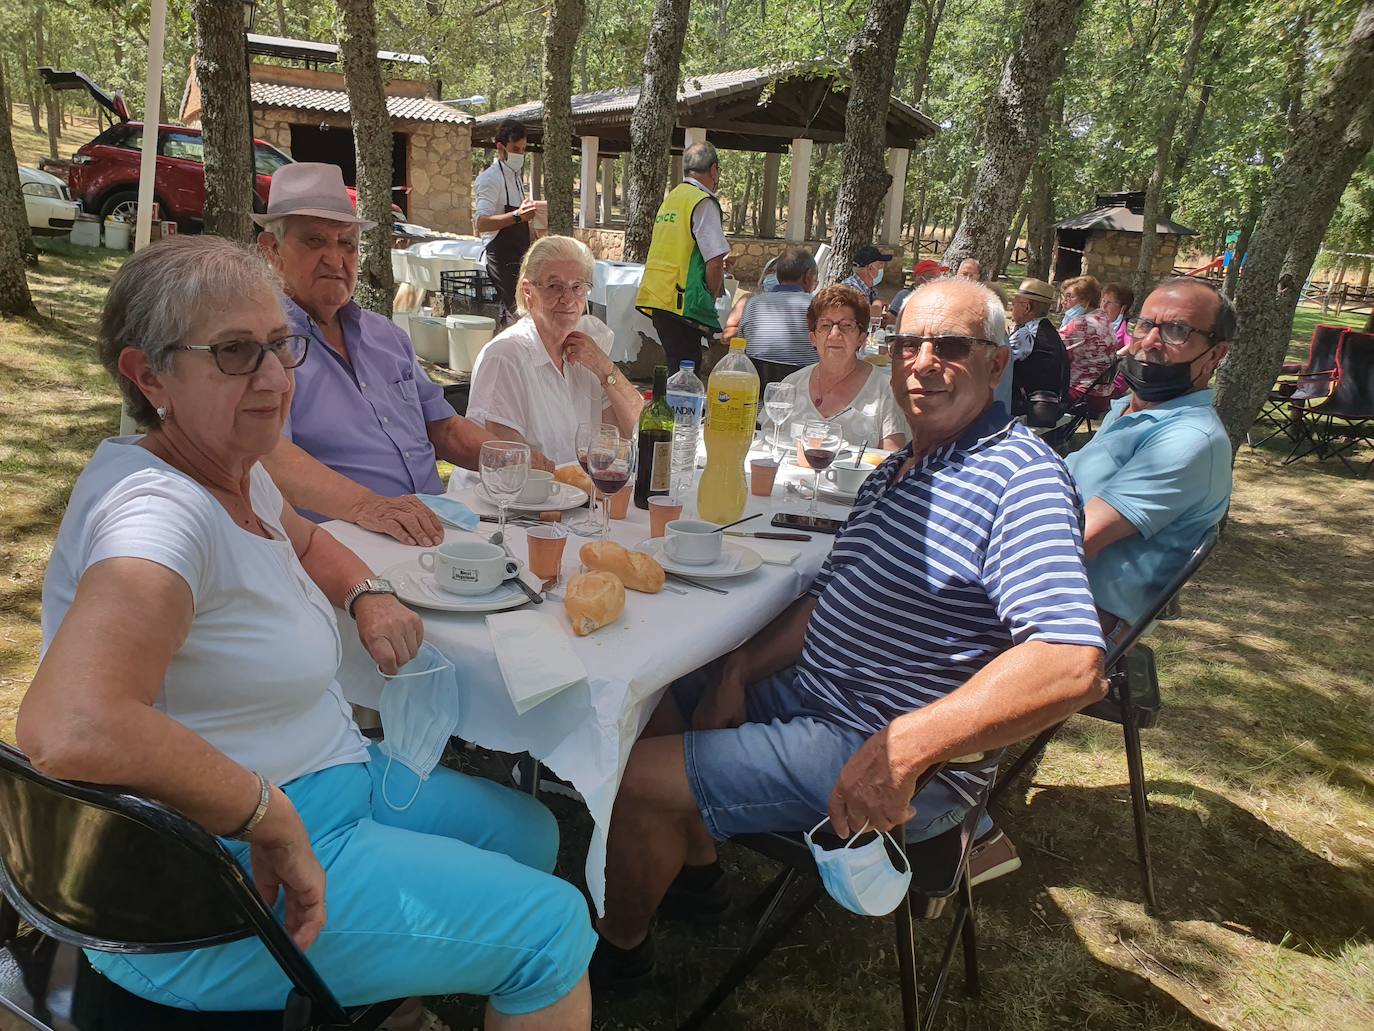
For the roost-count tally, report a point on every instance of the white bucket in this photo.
(116, 234)
(86, 232)
(429, 336)
(469, 333)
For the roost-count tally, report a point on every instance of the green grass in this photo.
(1261, 770)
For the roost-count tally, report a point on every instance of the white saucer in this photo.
(565, 498)
(415, 586)
(834, 493)
(735, 560)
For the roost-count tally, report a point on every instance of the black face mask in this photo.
(1155, 384)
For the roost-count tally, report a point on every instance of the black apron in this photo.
(504, 253)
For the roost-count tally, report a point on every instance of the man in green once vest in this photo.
(685, 269)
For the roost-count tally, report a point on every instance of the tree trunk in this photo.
(1040, 205)
(1164, 138)
(281, 19)
(222, 76)
(41, 58)
(933, 11)
(561, 27)
(1015, 122)
(1333, 136)
(1184, 152)
(357, 33)
(651, 126)
(1010, 247)
(15, 238)
(863, 172)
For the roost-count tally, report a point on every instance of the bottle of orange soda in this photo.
(732, 405)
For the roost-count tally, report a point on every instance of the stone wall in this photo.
(439, 162)
(1111, 256)
(751, 253)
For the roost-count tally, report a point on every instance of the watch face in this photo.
(381, 585)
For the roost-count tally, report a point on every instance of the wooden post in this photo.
(897, 159)
(768, 225)
(537, 176)
(607, 189)
(587, 180)
(675, 171)
(796, 200)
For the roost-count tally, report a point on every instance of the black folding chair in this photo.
(1340, 421)
(1081, 413)
(98, 868)
(1298, 383)
(939, 874)
(1133, 701)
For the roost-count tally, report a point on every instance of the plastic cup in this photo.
(545, 543)
(662, 511)
(762, 472)
(620, 501)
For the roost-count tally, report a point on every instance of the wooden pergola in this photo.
(769, 111)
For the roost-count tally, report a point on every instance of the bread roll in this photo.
(573, 476)
(637, 571)
(593, 600)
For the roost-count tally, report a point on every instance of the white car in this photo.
(48, 201)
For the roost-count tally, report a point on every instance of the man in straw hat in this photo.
(363, 405)
(1041, 362)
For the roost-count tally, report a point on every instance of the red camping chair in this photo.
(1299, 382)
(1335, 424)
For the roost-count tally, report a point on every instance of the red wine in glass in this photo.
(819, 458)
(609, 481)
(582, 461)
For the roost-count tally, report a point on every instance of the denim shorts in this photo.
(777, 771)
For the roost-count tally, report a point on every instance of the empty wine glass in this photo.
(504, 466)
(821, 442)
(611, 465)
(588, 525)
(778, 401)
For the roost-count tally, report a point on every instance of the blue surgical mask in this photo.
(861, 877)
(1071, 314)
(769, 282)
(419, 710)
(879, 277)
(450, 511)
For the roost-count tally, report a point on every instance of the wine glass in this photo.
(588, 433)
(504, 466)
(778, 402)
(821, 442)
(611, 465)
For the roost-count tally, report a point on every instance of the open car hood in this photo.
(56, 79)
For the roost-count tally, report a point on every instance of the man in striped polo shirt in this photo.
(952, 617)
(774, 321)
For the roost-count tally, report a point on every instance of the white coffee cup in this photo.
(538, 487)
(469, 567)
(692, 542)
(848, 475)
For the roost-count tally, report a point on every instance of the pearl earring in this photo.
(161, 412)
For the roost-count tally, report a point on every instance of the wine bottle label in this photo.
(662, 476)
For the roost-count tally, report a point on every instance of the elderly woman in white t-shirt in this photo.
(189, 653)
(551, 371)
(841, 389)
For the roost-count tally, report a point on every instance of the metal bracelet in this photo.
(252, 822)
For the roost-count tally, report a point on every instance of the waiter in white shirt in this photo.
(502, 214)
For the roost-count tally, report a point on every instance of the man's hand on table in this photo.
(875, 786)
(405, 519)
(389, 631)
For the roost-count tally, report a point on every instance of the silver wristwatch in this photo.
(371, 586)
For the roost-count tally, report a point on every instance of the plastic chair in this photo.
(400, 266)
(939, 874)
(1133, 701)
(100, 868)
(1298, 383)
(1343, 419)
(424, 271)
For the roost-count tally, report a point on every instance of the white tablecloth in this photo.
(585, 733)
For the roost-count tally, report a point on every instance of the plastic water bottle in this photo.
(687, 399)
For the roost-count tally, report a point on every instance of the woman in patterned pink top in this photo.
(1089, 339)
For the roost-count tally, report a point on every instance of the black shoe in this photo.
(616, 971)
(700, 894)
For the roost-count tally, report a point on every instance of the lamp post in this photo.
(250, 13)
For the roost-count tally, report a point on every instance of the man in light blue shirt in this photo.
(1157, 475)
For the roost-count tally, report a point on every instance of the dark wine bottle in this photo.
(655, 443)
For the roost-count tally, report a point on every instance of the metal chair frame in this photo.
(310, 1004)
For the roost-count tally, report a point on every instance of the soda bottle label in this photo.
(734, 412)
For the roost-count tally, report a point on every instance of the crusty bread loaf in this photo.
(573, 476)
(637, 571)
(593, 600)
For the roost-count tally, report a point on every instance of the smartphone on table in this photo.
(816, 524)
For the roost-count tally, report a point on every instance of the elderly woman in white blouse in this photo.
(551, 371)
(841, 389)
(190, 647)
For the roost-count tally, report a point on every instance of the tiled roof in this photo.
(1122, 219)
(301, 98)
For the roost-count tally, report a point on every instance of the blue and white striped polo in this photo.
(978, 548)
(774, 327)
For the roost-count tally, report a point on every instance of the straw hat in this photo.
(310, 188)
(1036, 290)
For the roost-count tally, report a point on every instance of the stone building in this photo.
(1105, 242)
(303, 110)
